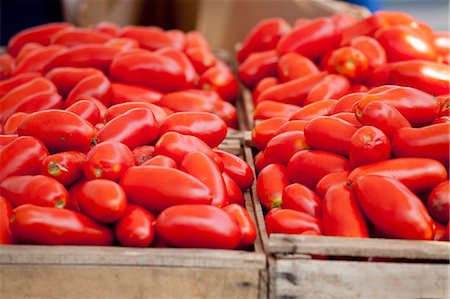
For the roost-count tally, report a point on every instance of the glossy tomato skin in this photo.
(264, 131)
(246, 225)
(158, 193)
(271, 182)
(37, 59)
(201, 58)
(122, 93)
(301, 198)
(106, 27)
(220, 79)
(420, 175)
(349, 62)
(438, 202)
(269, 109)
(292, 125)
(65, 167)
(135, 228)
(348, 117)
(263, 85)
(341, 214)
(333, 179)
(102, 200)
(143, 153)
(9, 84)
(22, 156)
(293, 66)
(7, 139)
(189, 73)
(235, 195)
(134, 128)
(310, 166)
(313, 110)
(369, 145)
(119, 109)
(5, 217)
(150, 38)
(375, 53)
(87, 110)
(381, 197)
(330, 134)
(237, 169)
(75, 36)
(206, 171)
(283, 146)
(11, 124)
(65, 78)
(332, 86)
(108, 160)
(258, 66)
(427, 142)
(208, 127)
(32, 224)
(7, 64)
(162, 161)
(198, 226)
(345, 103)
(59, 130)
(286, 221)
(97, 86)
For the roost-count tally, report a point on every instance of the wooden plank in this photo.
(64, 282)
(344, 279)
(370, 247)
(248, 107)
(232, 146)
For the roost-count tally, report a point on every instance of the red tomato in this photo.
(266, 130)
(7, 139)
(9, 84)
(293, 66)
(258, 66)
(246, 226)
(286, 221)
(260, 162)
(198, 226)
(313, 110)
(108, 160)
(301, 198)
(371, 48)
(282, 147)
(235, 195)
(87, 110)
(195, 39)
(369, 145)
(135, 228)
(439, 202)
(220, 79)
(37, 59)
(381, 197)
(330, 134)
(190, 75)
(271, 182)
(348, 117)
(7, 65)
(346, 103)
(263, 85)
(119, 109)
(143, 153)
(342, 215)
(428, 142)
(97, 86)
(332, 86)
(269, 109)
(333, 179)
(442, 42)
(292, 125)
(106, 27)
(206, 171)
(150, 38)
(22, 156)
(309, 167)
(11, 124)
(201, 58)
(26, 50)
(162, 161)
(76, 36)
(65, 167)
(349, 62)
(65, 78)
(420, 175)
(59, 130)
(237, 169)
(5, 218)
(123, 93)
(102, 200)
(52, 226)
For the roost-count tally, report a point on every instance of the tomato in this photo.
(119, 109)
(38, 190)
(11, 124)
(143, 153)
(122, 44)
(22, 156)
(122, 92)
(26, 50)
(346, 103)
(270, 184)
(135, 228)
(439, 201)
(237, 169)
(9, 84)
(134, 128)
(7, 65)
(313, 110)
(65, 78)
(59, 130)
(301, 198)
(195, 39)
(263, 36)
(65, 167)
(201, 58)
(292, 125)
(87, 110)
(369, 145)
(97, 86)
(310, 166)
(332, 86)
(348, 117)
(427, 142)
(198, 226)
(330, 134)
(282, 147)
(5, 217)
(293, 66)
(36, 60)
(260, 162)
(159, 193)
(342, 215)
(234, 192)
(347, 61)
(220, 79)
(32, 224)
(286, 221)
(258, 66)
(266, 130)
(246, 226)
(442, 42)
(384, 117)
(7, 139)
(106, 27)
(292, 92)
(77, 36)
(405, 43)
(162, 161)
(208, 127)
(150, 38)
(206, 171)
(371, 48)
(108, 160)
(332, 179)
(263, 85)
(381, 197)
(190, 75)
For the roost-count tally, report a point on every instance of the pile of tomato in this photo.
(109, 136)
(353, 125)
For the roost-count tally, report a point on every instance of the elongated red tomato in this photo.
(368, 145)
(292, 125)
(135, 228)
(333, 179)
(381, 197)
(206, 171)
(313, 110)
(51, 226)
(123, 92)
(287, 221)
(8, 84)
(438, 202)
(119, 109)
(158, 193)
(220, 79)
(162, 161)
(5, 217)
(237, 169)
(87, 110)
(293, 65)
(301, 198)
(332, 86)
(270, 184)
(346, 103)
(7, 139)
(234, 192)
(420, 175)
(246, 226)
(348, 117)
(263, 85)
(201, 58)
(198, 226)
(308, 167)
(341, 214)
(143, 153)
(282, 147)
(37, 59)
(65, 167)
(75, 36)
(65, 78)
(269, 109)
(266, 130)
(97, 86)
(258, 66)
(11, 124)
(59, 130)
(371, 48)
(151, 38)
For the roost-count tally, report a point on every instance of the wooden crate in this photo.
(421, 269)
(34, 271)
